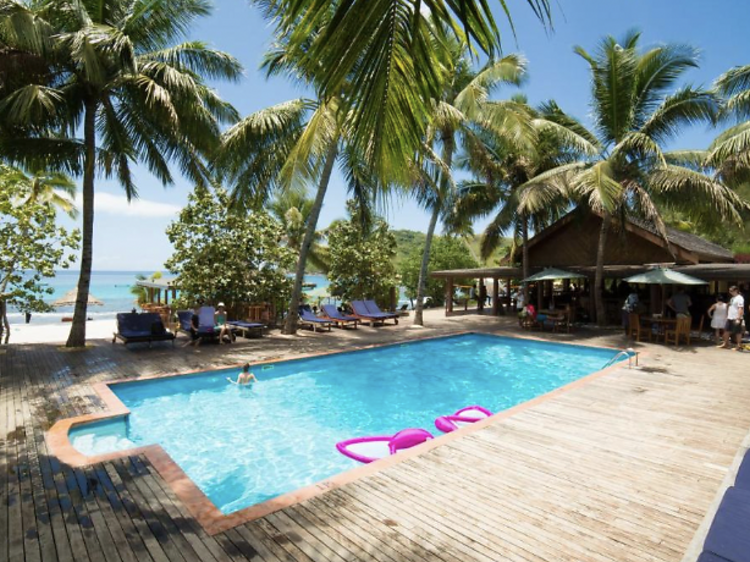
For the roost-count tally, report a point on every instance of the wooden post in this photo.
(482, 297)
(394, 302)
(495, 296)
(449, 296)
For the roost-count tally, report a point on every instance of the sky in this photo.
(132, 236)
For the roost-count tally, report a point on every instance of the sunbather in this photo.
(220, 321)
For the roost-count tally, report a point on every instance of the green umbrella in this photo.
(663, 276)
(551, 274)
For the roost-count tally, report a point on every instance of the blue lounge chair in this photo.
(373, 307)
(363, 312)
(728, 538)
(204, 331)
(247, 327)
(141, 328)
(306, 317)
(332, 313)
(743, 474)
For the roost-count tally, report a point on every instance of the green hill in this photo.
(408, 240)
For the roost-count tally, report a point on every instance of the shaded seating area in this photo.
(307, 318)
(339, 319)
(728, 539)
(147, 327)
(369, 311)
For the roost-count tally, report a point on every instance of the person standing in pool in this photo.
(245, 377)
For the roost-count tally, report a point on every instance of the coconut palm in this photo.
(637, 108)
(114, 67)
(289, 146)
(54, 188)
(463, 109)
(729, 154)
(385, 49)
(292, 209)
(503, 165)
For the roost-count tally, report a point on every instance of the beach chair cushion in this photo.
(373, 308)
(185, 317)
(206, 317)
(332, 312)
(132, 326)
(246, 325)
(728, 536)
(307, 316)
(743, 474)
(361, 309)
(711, 557)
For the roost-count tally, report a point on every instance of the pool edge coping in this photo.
(205, 511)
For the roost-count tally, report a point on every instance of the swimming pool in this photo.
(244, 445)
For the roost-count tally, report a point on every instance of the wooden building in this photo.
(571, 244)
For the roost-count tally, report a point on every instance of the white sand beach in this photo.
(58, 333)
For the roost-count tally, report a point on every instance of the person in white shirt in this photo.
(735, 316)
(718, 315)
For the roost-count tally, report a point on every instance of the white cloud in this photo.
(108, 203)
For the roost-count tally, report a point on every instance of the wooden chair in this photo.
(635, 329)
(680, 330)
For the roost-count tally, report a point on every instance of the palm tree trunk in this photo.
(525, 257)
(292, 317)
(419, 308)
(599, 275)
(77, 336)
(5, 325)
(448, 148)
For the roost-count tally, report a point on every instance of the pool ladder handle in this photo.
(629, 353)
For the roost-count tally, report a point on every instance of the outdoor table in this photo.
(661, 323)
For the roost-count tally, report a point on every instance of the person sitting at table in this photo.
(680, 303)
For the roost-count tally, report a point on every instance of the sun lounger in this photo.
(743, 474)
(141, 328)
(204, 331)
(364, 312)
(373, 307)
(307, 318)
(332, 313)
(728, 537)
(247, 327)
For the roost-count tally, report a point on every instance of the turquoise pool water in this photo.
(244, 445)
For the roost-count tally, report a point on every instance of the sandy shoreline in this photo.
(58, 333)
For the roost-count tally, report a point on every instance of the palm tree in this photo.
(54, 188)
(292, 209)
(113, 67)
(729, 154)
(636, 110)
(462, 108)
(555, 139)
(385, 49)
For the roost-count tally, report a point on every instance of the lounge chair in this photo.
(371, 314)
(743, 474)
(332, 313)
(247, 327)
(728, 538)
(141, 328)
(205, 331)
(307, 318)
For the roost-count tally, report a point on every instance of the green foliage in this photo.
(223, 255)
(141, 293)
(362, 260)
(27, 226)
(447, 252)
(407, 241)
(292, 209)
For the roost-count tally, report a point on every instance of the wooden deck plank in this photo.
(620, 469)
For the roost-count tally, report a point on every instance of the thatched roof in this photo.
(687, 241)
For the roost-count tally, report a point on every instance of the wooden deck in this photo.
(621, 469)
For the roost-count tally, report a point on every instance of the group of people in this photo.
(219, 324)
(728, 319)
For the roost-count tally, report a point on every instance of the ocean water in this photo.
(244, 445)
(111, 287)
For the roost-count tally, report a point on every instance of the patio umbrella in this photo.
(663, 276)
(551, 274)
(69, 299)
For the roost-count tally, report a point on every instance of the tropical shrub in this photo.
(222, 255)
(361, 257)
(446, 253)
(34, 247)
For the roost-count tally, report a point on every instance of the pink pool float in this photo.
(369, 449)
(462, 417)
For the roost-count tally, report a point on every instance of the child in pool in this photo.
(245, 377)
